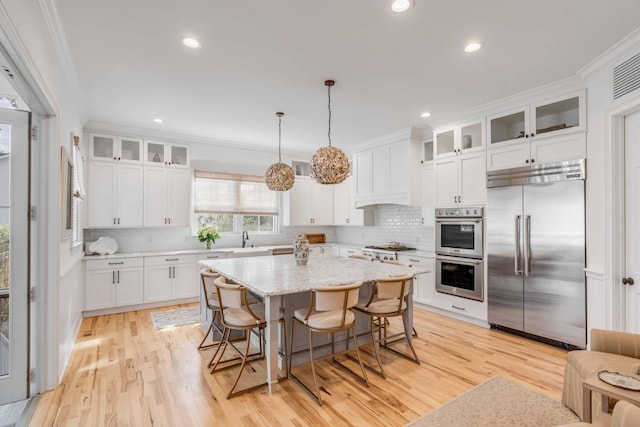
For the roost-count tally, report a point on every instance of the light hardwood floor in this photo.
(123, 372)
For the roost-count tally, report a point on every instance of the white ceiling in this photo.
(259, 57)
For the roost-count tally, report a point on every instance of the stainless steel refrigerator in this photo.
(535, 225)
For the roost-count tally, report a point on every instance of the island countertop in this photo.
(279, 275)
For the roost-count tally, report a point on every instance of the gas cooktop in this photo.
(391, 248)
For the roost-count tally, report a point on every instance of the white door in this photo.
(99, 289)
(300, 201)
(179, 201)
(446, 176)
(102, 195)
(129, 286)
(14, 254)
(157, 283)
(322, 204)
(156, 194)
(130, 196)
(185, 281)
(631, 273)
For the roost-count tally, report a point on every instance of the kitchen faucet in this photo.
(245, 237)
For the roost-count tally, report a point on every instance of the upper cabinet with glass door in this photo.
(550, 118)
(115, 148)
(164, 153)
(455, 140)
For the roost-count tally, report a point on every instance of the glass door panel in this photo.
(155, 152)
(558, 115)
(471, 136)
(130, 149)
(14, 254)
(445, 142)
(508, 127)
(179, 155)
(103, 147)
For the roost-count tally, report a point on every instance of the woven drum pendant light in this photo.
(329, 165)
(279, 176)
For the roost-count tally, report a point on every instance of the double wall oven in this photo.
(459, 252)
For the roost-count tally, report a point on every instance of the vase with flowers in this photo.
(208, 233)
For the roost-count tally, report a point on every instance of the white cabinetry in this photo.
(308, 203)
(113, 283)
(170, 277)
(460, 180)
(167, 154)
(423, 284)
(347, 252)
(459, 166)
(115, 195)
(344, 206)
(167, 196)
(120, 149)
(428, 194)
(547, 131)
(389, 171)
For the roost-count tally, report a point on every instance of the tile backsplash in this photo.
(392, 223)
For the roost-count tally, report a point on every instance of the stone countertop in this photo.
(272, 276)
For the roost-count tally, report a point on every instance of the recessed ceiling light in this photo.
(472, 47)
(401, 5)
(158, 120)
(191, 42)
(425, 114)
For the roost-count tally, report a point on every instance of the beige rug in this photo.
(498, 402)
(175, 317)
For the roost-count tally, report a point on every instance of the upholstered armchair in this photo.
(611, 351)
(624, 415)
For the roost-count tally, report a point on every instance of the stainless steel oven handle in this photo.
(527, 245)
(459, 260)
(516, 257)
(461, 220)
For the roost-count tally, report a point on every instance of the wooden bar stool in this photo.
(208, 276)
(328, 312)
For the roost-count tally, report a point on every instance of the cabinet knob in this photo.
(532, 135)
(526, 135)
(526, 161)
(118, 158)
(533, 160)
(628, 281)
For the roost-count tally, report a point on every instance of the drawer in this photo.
(346, 252)
(212, 255)
(170, 259)
(109, 264)
(462, 306)
(416, 260)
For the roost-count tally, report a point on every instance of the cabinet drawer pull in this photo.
(118, 277)
(113, 277)
(458, 308)
(414, 260)
(172, 259)
(213, 257)
(169, 272)
(116, 263)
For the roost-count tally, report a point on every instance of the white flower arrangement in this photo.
(208, 233)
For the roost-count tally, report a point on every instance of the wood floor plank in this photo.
(123, 372)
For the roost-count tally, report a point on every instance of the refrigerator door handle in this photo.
(527, 245)
(516, 256)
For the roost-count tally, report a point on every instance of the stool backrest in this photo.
(208, 286)
(336, 297)
(229, 294)
(394, 287)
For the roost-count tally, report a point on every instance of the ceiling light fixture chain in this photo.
(329, 83)
(279, 135)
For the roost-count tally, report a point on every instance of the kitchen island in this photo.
(278, 281)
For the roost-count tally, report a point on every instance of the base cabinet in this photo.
(113, 283)
(423, 284)
(170, 277)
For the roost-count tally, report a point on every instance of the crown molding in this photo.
(412, 133)
(628, 46)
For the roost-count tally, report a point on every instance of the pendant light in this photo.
(279, 176)
(329, 165)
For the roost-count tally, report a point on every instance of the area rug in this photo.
(498, 402)
(175, 317)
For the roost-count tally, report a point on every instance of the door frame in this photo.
(31, 87)
(615, 211)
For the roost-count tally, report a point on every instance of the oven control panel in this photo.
(459, 212)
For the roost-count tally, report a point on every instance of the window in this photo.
(234, 203)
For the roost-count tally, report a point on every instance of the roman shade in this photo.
(223, 193)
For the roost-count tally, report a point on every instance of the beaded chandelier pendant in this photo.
(329, 165)
(279, 176)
